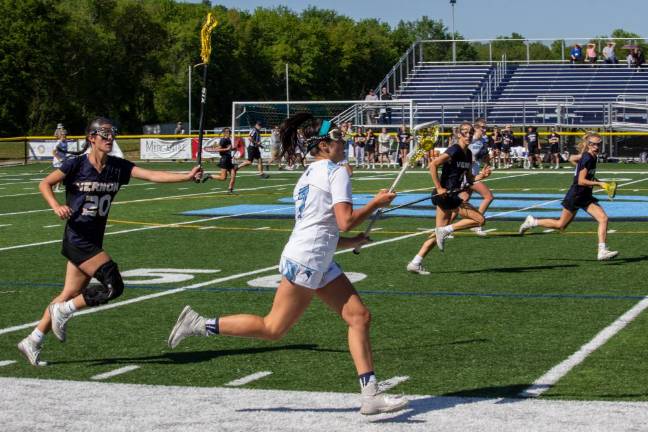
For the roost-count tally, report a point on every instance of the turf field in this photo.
(496, 314)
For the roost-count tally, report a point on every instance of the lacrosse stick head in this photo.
(610, 188)
(205, 37)
(425, 136)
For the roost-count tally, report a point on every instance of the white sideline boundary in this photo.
(116, 372)
(248, 379)
(62, 405)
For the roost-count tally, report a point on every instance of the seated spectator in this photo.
(576, 54)
(640, 59)
(385, 112)
(592, 55)
(609, 56)
(370, 110)
(631, 60)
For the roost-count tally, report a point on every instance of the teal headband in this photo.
(324, 129)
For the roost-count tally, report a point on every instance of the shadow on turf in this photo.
(513, 269)
(615, 261)
(195, 356)
(423, 405)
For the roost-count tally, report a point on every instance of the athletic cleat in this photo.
(264, 175)
(205, 177)
(59, 320)
(376, 402)
(479, 231)
(31, 350)
(528, 223)
(417, 268)
(604, 254)
(441, 237)
(189, 324)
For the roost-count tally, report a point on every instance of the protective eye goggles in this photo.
(598, 143)
(105, 133)
(325, 133)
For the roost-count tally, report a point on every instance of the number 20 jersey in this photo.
(90, 194)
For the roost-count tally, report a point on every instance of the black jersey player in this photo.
(91, 181)
(579, 196)
(456, 163)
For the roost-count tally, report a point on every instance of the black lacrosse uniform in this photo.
(507, 142)
(370, 145)
(253, 150)
(404, 140)
(89, 196)
(225, 156)
(453, 174)
(580, 197)
(497, 141)
(555, 147)
(532, 142)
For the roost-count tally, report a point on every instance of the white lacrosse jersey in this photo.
(315, 236)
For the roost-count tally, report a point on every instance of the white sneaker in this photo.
(441, 236)
(417, 268)
(189, 324)
(528, 223)
(605, 254)
(31, 350)
(376, 402)
(59, 320)
(479, 231)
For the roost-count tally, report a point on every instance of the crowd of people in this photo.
(635, 57)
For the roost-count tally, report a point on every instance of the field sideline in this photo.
(487, 327)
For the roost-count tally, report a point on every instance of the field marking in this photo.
(612, 231)
(120, 371)
(548, 230)
(248, 379)
(262, 228)
(198, 194)
(549, 379)
(5, 225)
(6, 362)
(19, 195)
(51, 226)
(392, 382)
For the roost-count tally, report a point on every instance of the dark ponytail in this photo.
(309, 125)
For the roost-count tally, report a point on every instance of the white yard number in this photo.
(149, 276)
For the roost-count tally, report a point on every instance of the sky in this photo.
(483, 19)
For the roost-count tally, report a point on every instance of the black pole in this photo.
(201, 123)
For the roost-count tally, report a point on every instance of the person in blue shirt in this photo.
(580, 196)
(576, 54)
(92, 181)
(254, 150)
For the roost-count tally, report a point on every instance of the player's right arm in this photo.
(45, 188)
(347, 218)
(434, 168)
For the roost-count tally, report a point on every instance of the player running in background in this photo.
(254, 150)
(579, 196)
(554, 143)
(60, 153)
(92, 181)
(507, 142)
(479, 149)
(457, 164)
(322, 209)
(225, 163)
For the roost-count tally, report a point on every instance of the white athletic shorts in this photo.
(309, 278)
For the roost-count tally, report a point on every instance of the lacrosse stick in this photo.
(610, 188)
(449, 192)
(205, 52)
(412, 157)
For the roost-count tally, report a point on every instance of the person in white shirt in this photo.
(323, 208)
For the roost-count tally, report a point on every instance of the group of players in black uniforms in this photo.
(93, 179)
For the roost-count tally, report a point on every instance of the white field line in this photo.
(612, 231)
(391, 382)
(248, 379)
(490, 230)
(548, 230)
(19, 182)
(261, 228)
(217, 191)
(5, 225)
(550, 378)
(51, 226)
(7, 362)
(488, 179)
(151, 227)
(20, 194)
(121, 370)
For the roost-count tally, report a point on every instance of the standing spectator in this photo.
(533, 147)
(507, 143)
(370, 149)
(576, 54)
(609, 56)
(275, 147)
(370, 110)
(179, 130)
(404, 138)
(386, 111)
(383, 147)
(554, 142)
(348, 137)
(497, 148)
(631, 59)
(254, 150)
(640, 59)
(359, 148)
(60, 153)
(592, 55)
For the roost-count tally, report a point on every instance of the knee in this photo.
(480, 220)
(275, 333)
(359, 318)
(110, 285)
(603, 219)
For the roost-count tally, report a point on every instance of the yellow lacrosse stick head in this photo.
(610, 188)
(426, 140)
(205, 37)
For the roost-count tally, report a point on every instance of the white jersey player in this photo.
(323, 208)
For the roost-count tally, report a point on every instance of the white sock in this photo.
(448, 229)
(534, 222)
(69, 308)
(417, 260)
(602, 246)
(37, 336)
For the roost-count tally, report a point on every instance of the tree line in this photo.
(67, 60)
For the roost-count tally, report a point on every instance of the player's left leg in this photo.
(597, 212)
(470, 217)
(341, 297)
(487, 199)
(443, 217)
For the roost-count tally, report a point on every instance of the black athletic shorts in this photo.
(533, 149)
(506, 148)
(253, 153)
(403, 146)
(447, 201)
(555, 148)
(573, 201)
(226, 163)
(78, 253)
